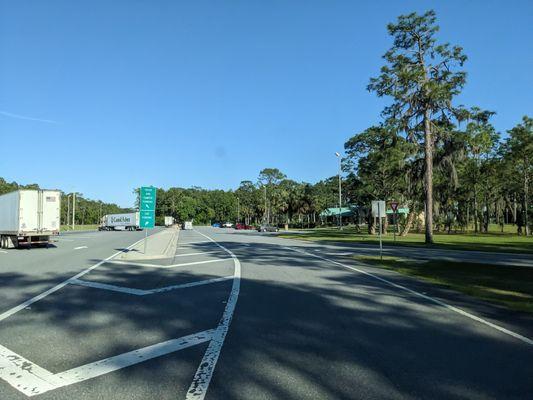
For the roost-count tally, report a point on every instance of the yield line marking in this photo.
(167, 266)
(80, 247)
(431, 299)
(142, 292)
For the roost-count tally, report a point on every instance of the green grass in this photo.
(495, 242)
(511, 287)
(65, 228)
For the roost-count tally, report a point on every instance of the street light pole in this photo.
(340, 188)
(73, 210)
(68, 210)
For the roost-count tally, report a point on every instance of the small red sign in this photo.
(394, 205)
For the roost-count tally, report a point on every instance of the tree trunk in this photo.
(428, 175)
(408, 223)
(526, 196)
(476, 230)
(371, 224)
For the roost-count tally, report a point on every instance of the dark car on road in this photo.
(268, 228)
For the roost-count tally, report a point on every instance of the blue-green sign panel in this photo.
(147, 219)
(147, 207)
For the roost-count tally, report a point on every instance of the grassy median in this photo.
(495, 242)
(508, 286)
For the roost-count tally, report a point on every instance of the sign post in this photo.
(394, 206)
(378, 210)
(147, 199)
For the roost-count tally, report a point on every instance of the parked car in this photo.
(240, 226)
(216, 225)
(227, 225)
(268, 228)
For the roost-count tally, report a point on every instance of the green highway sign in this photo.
(147, 207)
(147, 219)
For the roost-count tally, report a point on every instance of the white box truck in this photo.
(187, 225)
(120, 222)
(169, 221)
(29, 217)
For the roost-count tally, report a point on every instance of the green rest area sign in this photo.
(147, 207)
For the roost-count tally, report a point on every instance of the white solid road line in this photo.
(197, 254)
(42, 295)
(123, 262)
(142, 292)
(3, 251)
(111, 364)
(32, 380)
(202, 377)
(80, 247)
(431, 299)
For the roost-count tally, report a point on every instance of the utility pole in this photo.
(340, 189)
(238, 210)
(73, 210)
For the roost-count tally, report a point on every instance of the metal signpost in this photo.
(394, 206)
(147, 210)
(378, 210)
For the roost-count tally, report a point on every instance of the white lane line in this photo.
(24, 375)
(80, 247)
(31, 380)
(431, 299)
(98, 285)
(142, 292)
(197, 254)
(190, 284)
(42, 295)
(202, 377)
(202, 241)
(111, 364)
(3, 251)
(167, 266)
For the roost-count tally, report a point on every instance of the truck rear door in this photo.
(28, 212)
(50, 203)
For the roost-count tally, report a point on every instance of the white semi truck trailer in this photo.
(169, 221)
(29, 217)
(119, 222)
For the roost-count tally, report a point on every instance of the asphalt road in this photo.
(244, 316)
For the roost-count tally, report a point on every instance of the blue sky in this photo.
(104, 96)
